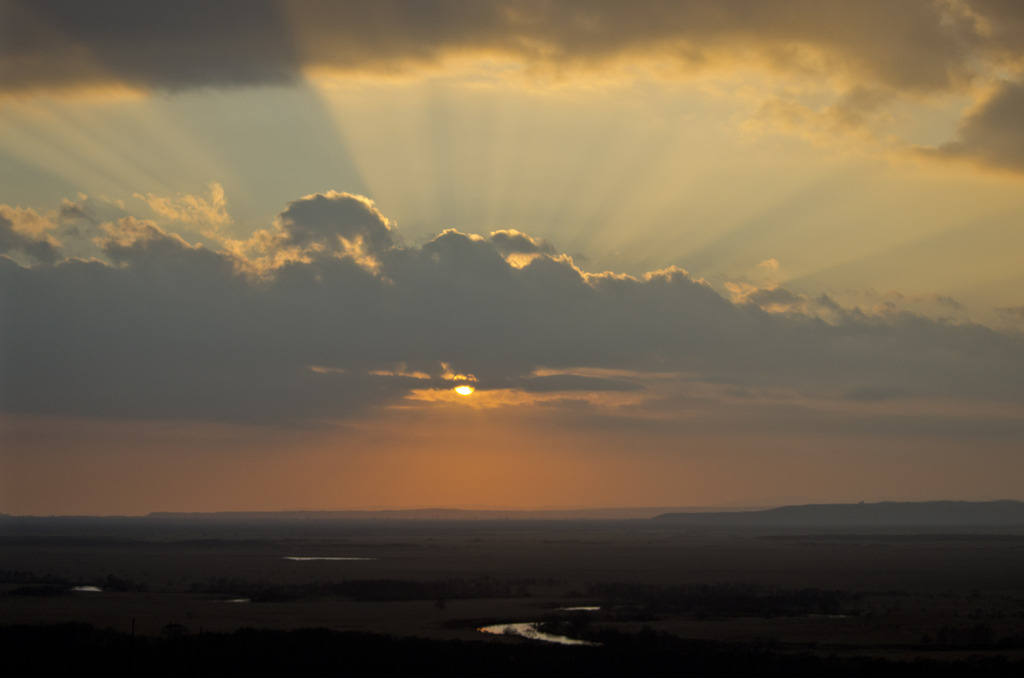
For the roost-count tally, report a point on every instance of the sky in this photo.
(738, 253)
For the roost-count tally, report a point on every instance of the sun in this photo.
(464, 389)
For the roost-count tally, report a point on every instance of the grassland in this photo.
(892, 595)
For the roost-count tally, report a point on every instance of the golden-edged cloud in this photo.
(192, 209)
(919, 44)
(25, 232)
(156, 327)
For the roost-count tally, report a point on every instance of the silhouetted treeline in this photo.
(978, 636)
(885, 514)
(40, 591)
(22, 577)
(371, 589)
(721, 600)
(81, 650)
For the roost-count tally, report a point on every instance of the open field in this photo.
(888, 594)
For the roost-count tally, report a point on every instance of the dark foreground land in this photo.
(188, 597)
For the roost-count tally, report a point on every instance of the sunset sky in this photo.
(686, 253)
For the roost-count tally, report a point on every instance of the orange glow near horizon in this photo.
(459, 458)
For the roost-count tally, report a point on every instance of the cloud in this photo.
(915, 44)
(855, 60)
(890, 304)
(993, 135)
(192, 209)
(156, 327)
(773, 299)
(335, 223)
(1000, 22)
(573, 382)
(25, 232)
(1011, 316)
(518, 248)
(64, 44)
(77, 210)
(876, 394)
(855, 117)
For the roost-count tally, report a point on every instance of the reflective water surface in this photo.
(529, 630)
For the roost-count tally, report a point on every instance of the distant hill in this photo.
(168, 519)
(431, 514)
(933, 514)
(937, 514)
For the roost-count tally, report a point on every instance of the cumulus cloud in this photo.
(511, 241)
(518, 248)
(25, 232)
(324, 225)
(156, 327)
(329, 221)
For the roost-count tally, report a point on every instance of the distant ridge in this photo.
(935, 514)
(932, 514)
(432, 514)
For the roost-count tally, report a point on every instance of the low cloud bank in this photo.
(327, 314)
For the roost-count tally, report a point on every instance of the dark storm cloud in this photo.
(915, 44)
(169, 46)
(164, 329)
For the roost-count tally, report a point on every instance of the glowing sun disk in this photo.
(464, 390)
